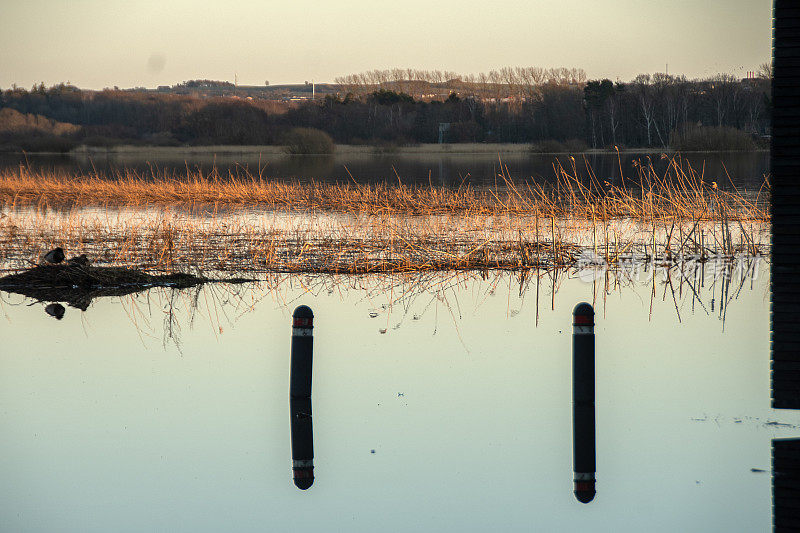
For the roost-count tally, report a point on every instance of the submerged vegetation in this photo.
(242, 224)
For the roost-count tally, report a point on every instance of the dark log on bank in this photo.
(77, 285)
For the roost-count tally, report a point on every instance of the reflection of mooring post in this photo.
(300, 397)
(583, 437)
(785, 482)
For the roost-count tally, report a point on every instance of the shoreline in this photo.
(347, 149)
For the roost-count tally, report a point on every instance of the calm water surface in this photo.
(744, 169)
(440, 404)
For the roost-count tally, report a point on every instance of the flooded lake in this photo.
(442, 398)
(441, 402)
(746, 170)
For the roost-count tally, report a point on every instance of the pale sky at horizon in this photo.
(96, 44)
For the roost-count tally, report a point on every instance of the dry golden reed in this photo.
(679, 192)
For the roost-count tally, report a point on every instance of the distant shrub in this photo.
(14, 122)
(32, 141)
(35, 133)
(712, 139)
(388, 147)
(575, 146)
(302, 141)
(548, 146)
(384, 97)
(161, 138)
(101, 141)
(385, 148)
(464, 132)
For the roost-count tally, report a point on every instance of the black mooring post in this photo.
(300, 397)
(583, 436)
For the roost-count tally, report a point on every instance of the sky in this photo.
(96, 44)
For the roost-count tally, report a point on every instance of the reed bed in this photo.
(237, 244)
(681, 192)
(241, 223)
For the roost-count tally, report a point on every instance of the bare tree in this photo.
(642, 87)
(725, 92)
(765, 70)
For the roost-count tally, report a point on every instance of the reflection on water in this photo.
(786, 484)
(302, 435)
(746, 170)
(443, 404)
(679, 288)
(55, 310)
(583, 419)
(302, 432)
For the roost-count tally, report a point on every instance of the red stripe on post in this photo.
(300, 473)
(583, 320)
(302, 322)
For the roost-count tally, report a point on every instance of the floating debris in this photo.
(775, 423)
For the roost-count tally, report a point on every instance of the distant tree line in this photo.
(508, 82)
(192, 84)
(524, 105)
